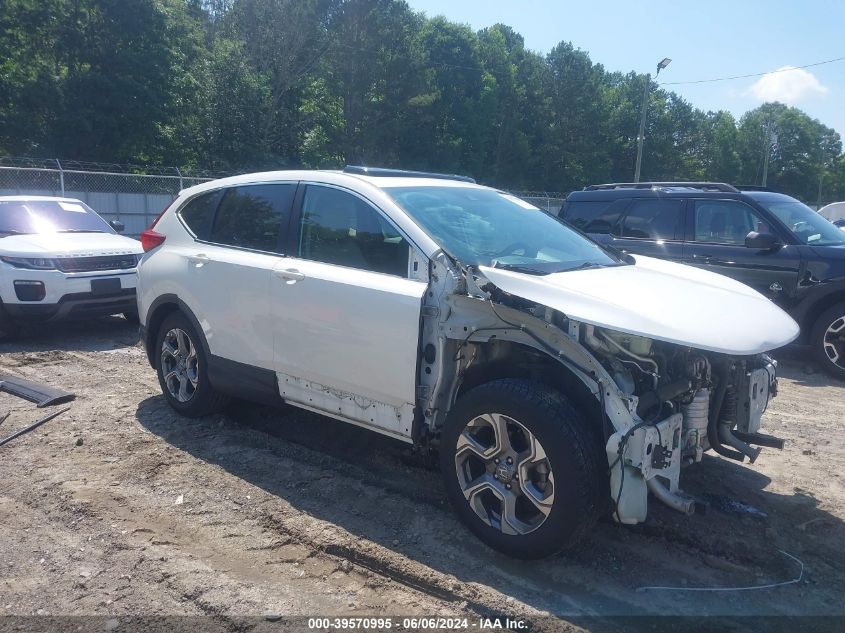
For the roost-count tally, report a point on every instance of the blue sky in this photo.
(704, 39)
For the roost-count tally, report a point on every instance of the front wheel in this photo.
(521, 468)
(182, 369)
(827, 339)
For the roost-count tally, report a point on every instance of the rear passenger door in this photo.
(238, 242)
(653, 227)
(346, 312)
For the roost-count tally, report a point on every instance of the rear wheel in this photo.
(183, 369)
(827, 339)
(521, 468)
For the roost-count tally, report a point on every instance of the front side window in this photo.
(251, 216)
(480, 226)
(653, 218)
(726, 222)
(49, 216)
(340, 228)
(807, 225)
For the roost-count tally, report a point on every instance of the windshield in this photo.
(25, 217)
(489, 228)
(807, 225)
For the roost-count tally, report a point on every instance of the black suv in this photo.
(770, 241)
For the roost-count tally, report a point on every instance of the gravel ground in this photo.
(120, 507)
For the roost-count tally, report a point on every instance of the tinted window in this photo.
(49, 216)
(726, 222)
(339, 228)
(653, 218)
(198, 214)
(251, 216)
(592, 216)
(805, 224)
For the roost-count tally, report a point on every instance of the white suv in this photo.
(59, 259)
(558, 380)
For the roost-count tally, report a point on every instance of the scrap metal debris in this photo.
(33, 426)
(43, 395)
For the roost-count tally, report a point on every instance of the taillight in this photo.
(150, 239)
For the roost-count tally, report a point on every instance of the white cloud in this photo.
(787, 85)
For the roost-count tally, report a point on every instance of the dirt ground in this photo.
(120, 507)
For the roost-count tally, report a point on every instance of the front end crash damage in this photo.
(658, 405)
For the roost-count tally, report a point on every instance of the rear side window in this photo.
(252, 216)
(339, 228)
(198, 214)
(592, 216)
(653, 218)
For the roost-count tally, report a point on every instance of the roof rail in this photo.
(705, 186)
(360, 170)
(755, 188)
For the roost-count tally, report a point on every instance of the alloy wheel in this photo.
(504, 474)
(834, 342)
(179, 365)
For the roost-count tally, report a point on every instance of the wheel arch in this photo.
(157, 313)
(513, 359)
(815, 308)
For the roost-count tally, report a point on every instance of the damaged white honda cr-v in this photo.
(556, 379)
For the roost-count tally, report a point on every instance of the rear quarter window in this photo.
(592, 216)
(198, 214)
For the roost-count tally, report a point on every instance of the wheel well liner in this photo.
(524, 361)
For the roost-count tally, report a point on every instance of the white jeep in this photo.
(557, 380)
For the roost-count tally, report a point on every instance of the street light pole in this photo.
(641, 136)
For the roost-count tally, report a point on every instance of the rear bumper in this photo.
(79, 305)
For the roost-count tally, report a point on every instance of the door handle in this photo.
(199, 258)
(703, 257)
(289, 275)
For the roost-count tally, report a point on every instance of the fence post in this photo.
(61, 177)
(180, 179)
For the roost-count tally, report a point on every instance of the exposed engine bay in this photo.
(661, 405)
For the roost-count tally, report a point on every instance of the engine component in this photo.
(727, 421)
(696, 416)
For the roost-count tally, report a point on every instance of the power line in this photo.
(771, 72)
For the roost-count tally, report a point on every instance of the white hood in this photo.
(660, 300)
(68, 245)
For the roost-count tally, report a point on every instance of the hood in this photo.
(69, 245)
(660, 300)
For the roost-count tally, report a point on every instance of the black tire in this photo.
(832, 317)
(132, 317)
(203, 398)
(574, 456)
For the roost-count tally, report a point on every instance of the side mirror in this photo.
(117, 225)
(761, 241)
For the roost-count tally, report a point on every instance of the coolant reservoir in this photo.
(638, 345)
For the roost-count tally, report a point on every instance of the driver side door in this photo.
(346, 313)
(718, 245)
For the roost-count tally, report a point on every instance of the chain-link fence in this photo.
(549, 201)
(134, 195)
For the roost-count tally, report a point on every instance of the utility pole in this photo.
(767, 148)
(641, 136)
